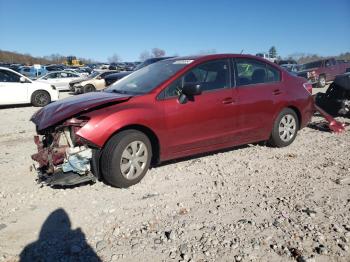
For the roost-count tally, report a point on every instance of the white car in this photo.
(60, 79)
(92, 84)
(77, 71)
(18, 89)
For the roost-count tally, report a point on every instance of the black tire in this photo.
(40, 98)
(88, 88)
(111, 159)
(276, 139)
(321, 81)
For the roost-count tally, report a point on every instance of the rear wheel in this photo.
(321, 81)
(126, 158)
(40, 98)
(285, 128)
(88, 88)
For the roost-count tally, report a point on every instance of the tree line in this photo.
(302, 58)
(27, 59)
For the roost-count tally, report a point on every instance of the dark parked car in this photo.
(55, 67)
(115, 77)
(112, 78)
(170, 109)
(336, 100)
(287, 62)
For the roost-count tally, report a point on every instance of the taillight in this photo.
(308, 87)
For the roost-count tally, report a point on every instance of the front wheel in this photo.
(88, 88)
(40, 98)
(126, 158)
(285, 128)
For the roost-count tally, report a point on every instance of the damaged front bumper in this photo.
(63, 159)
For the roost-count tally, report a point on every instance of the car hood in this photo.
(66, 108)
(78, 80)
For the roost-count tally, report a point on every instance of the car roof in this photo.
(200, 58)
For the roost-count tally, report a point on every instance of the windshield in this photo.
(311, 65)
(148, 78)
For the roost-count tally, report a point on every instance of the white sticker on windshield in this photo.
(183, 62)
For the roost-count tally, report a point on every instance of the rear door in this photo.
(208, 119)
(259, 89)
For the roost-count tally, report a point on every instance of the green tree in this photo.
(273, 52)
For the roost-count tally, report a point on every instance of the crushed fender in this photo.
(334, 125)
(63, 159)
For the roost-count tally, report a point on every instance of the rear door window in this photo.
(251, 72)
(273, 74)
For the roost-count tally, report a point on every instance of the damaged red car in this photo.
(171, 109)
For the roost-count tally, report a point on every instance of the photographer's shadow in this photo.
(58, 241)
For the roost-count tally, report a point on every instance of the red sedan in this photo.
(173, 108)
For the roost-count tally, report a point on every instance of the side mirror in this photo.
(189, 91)
(22, 80)
(192, 89)
(98, 77)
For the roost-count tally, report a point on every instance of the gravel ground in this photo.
(251, 203)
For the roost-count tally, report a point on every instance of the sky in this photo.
(100, 29)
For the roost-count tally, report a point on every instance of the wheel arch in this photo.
(149, 133)
(290, 106)
(297, 111)
(39, 90)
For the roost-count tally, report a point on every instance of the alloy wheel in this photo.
(41, 99)
(287, 128)
(133, 160)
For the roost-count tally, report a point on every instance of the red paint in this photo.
(334, 125)
(214, 120)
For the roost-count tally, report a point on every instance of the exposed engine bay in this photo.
(64, 158)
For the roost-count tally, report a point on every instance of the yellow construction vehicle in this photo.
(73, 61)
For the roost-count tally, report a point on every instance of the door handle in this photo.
(276, 92)
(228, 100)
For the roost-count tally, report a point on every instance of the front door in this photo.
(205, 121)
(12, 91)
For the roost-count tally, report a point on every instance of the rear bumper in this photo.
(307, 113)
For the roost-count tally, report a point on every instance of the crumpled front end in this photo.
(64, 158)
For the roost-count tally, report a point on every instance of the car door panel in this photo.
(256, 101)
(256, 106)
(206, 120)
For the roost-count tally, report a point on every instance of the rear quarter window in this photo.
(251, 71)
(273, 74)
